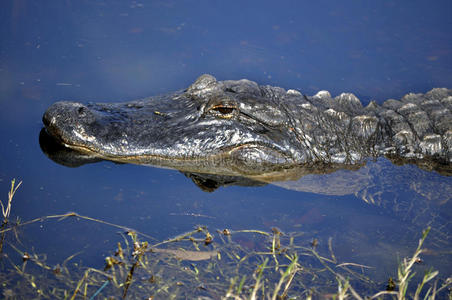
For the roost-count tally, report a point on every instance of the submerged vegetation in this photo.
(207, 264)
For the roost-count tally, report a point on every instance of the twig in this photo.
(6, 211)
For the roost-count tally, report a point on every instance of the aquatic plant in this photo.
(6, 209)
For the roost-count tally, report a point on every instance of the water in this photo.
(114, 51)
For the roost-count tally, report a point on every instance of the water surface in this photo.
(114, 51)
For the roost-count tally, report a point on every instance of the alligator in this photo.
(240, 128)
(221, 133)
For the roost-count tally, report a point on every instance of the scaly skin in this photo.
(240, 128)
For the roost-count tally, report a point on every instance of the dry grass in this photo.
(6, 209)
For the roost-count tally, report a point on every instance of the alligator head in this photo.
(227, 126)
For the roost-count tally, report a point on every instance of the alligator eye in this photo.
(223, 111)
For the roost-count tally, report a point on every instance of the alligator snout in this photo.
(61, 118)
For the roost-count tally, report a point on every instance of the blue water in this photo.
(119, 50)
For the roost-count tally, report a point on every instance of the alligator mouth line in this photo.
(140, 158)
